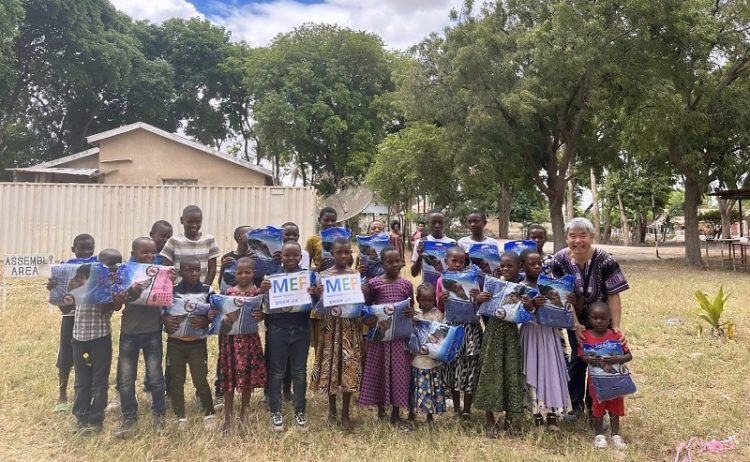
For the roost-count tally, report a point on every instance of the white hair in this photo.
(579, 224)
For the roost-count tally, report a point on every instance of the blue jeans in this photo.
(127, 373)
(287, 344)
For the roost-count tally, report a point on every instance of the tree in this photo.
(318, 95)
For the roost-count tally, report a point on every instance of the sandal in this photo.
(538, 420)
(61, 408)
(552, 423)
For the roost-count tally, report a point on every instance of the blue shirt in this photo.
(158, 260)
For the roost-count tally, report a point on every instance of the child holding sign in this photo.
(314, 247)
(241, 362)
(387, 364)
(287, 345)
(338, 356)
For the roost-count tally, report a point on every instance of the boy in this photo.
(83, 249)
(92, 355)
(600, 334)
(194, 243)
(291, 233)
(160, 232)
(226, 279)
(140, 330)
(190, 351)
(436, 223)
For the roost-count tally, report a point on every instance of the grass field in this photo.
(688, 386)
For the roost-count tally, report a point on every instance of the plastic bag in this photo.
(459, 307)
(227, 276)
(146, 284)
(611, 381)
(392, 324)
(519, 246)
(437, 340)
(235, 314)
(480, 254)
(62, 275)
(263, 243)
(99, 285)
(185, 309)
(505, 303)
(328, 236)
(369, 252)
(433, 260)
(557, 312)
(349, 311)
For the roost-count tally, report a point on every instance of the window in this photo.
(178, 181)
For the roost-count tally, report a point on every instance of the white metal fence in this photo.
(44, 218)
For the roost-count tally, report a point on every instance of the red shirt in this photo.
(590, 338)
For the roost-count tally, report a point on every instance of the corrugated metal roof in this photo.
(87, 172)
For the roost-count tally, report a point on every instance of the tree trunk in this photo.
(624, 226)
(556, 199)
(640, 235)
(692, 238)
(725, 208)
(607, 236)
(570, 211)
(504, 206)
(595, 206)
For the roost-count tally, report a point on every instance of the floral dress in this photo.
(241, 362)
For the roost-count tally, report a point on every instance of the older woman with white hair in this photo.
(598, 278)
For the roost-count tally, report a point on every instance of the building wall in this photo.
(141, 157)
(46, 217)
(85, 162)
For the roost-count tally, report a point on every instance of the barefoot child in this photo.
(287, 346)
(544, 368)
(83, 249)
(462, 375)
(92, 356)
(337, 366)
(241, 362)
(600, 319)
(427, 391)
(387, 364)
(500, 386)
(436, 223)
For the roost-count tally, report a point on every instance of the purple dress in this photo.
(387, 374)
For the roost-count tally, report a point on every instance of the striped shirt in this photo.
(179, 247)
(91, 323)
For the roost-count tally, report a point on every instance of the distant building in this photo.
(145, 155)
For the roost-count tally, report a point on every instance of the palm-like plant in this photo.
(711, 310)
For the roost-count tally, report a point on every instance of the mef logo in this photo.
(343, 284)
(290, 284)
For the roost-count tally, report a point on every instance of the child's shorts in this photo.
(65, 352)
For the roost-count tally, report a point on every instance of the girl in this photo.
(477, 220)
(397, 239)
(538, 234)
(314, 247)
(337, 359)
(375, 227)
(462, 374)
(386, 376)
(436, 222)
(427, 392)
(500, 385)
(544, 368)
(241, 360)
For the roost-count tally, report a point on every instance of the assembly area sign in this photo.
(26, 266)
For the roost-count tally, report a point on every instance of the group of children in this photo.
(500, 367)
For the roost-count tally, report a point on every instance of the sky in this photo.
(400, 23)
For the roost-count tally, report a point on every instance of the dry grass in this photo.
(688, 386)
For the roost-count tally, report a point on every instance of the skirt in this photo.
(386, 378)
(241, 362)
(338, 357)
(501, 381)
(545, 371)
(463, 373)
(427, 392)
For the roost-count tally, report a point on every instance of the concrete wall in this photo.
(44, 218)
(141, 157)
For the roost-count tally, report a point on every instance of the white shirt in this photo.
(466, 243)
(305, 262)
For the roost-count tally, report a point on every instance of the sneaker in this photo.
(210, 422)
(125, 428)
(277, 422)
(218, 403)
(600, 441)
(301, 420)
(618, 443)
(61, 408)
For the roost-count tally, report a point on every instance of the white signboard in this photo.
(27, 266)
(342, 289)
(289, 289)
